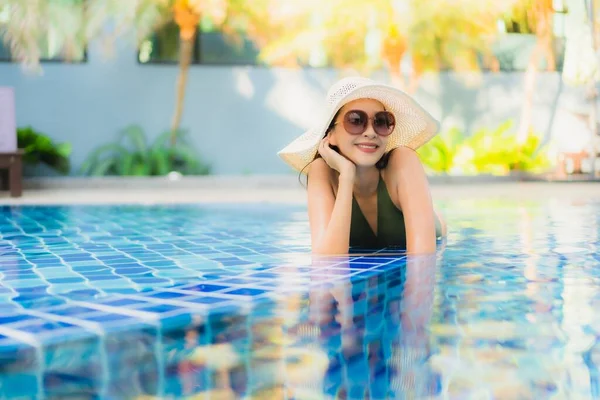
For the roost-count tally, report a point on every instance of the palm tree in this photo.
(187, 19)
(364, 36)
(71, 26)
(536, 16)
(30, 25)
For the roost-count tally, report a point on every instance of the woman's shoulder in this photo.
(403, 156)
(403, 162)
(319, 171)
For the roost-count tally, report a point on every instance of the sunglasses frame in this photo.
(352, 128)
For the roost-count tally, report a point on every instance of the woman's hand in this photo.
(336, 161)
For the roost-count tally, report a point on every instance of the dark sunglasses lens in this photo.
(355, 122)
(383, 123)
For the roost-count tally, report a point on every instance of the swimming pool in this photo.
(130, 302)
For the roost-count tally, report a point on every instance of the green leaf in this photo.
(140, 168)
(136, 137)
(111, 151)
(64, 149)
(103, 167)
(125, 164)
(161, 141)
(161, 162)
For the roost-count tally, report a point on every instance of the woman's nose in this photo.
(370, 133)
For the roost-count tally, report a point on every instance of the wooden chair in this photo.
(11, 167)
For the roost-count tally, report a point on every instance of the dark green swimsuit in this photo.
(391, 230)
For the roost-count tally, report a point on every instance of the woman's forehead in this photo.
(364, 104)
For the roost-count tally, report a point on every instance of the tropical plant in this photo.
(440, 153)
(495, 151)
(131, 154)
(500, 151)
(40, 149)
(364, 36)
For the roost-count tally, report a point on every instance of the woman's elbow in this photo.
(422, 242)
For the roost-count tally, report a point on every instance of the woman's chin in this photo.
(366, 160)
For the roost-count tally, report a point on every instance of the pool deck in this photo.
(263, 189)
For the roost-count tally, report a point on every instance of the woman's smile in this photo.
(367, 147)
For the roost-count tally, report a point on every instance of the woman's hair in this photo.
(381, 164)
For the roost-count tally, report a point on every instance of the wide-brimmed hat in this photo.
(414, 126)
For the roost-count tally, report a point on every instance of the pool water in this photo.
(225, 302)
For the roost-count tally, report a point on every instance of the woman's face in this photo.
(366, 148)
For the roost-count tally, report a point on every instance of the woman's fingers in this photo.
(323, 146)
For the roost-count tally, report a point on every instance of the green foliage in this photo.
(39, 148)
(440, 153)
(132, 155)
(488, 151)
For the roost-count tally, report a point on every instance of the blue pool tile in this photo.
(165, 295)
(205, 299)
(160, 263)
(122, 302)
(266, 275)
(106, 318)
(240, 281)
(149, 280)
(59, 281)
(127, 265)
(206, 288)
(13, 318)
(131, 271)
(102, 277)
(247, 292)
(83, 293)
(45, 326)
(160, 308)
(69, 310)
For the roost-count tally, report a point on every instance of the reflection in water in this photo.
(365, 338)
(352, 340)
(508, 310)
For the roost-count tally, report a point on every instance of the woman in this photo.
(366, 186)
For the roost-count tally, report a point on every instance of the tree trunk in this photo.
(543, 12)
(526, 111)
(186, 51)
(393, 50)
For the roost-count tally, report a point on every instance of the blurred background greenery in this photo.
(404, 39)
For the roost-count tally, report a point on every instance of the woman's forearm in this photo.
(336, 238)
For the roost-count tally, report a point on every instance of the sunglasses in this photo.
(356, 122)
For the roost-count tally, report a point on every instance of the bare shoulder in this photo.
(404, 167)
(318, 168)
(404, 157)
(320, 174)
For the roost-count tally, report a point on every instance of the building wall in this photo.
(239, 116)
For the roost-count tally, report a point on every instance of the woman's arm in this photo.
(415, 200)
(329, 215)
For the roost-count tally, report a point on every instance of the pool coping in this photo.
(279, 181)
(271, 189)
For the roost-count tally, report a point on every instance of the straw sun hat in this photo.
(414, 126)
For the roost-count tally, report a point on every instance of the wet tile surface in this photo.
(131, 301)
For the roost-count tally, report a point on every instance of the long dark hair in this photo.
(381, 164)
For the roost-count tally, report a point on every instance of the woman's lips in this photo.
(367, 147)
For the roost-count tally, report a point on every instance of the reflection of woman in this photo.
(367, 187)
(378, 327)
